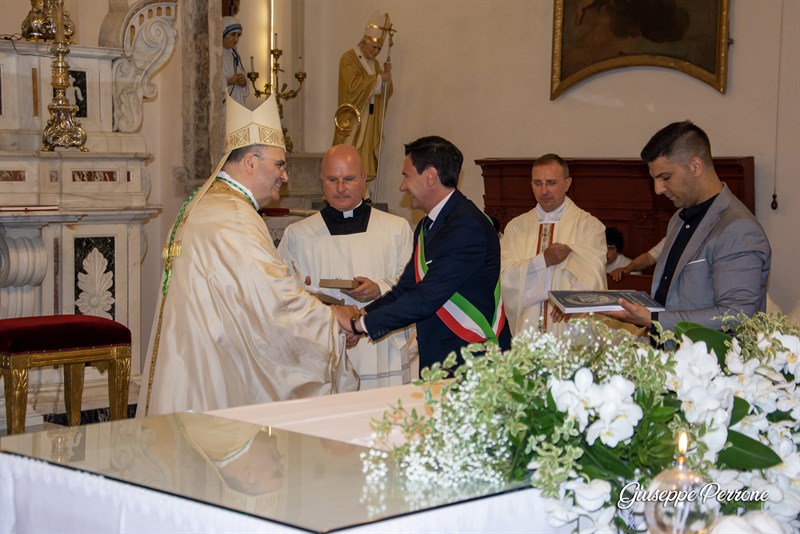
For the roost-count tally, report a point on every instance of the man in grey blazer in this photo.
(717, 257)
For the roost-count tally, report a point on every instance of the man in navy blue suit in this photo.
(451, 287)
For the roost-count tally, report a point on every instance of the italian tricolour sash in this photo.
(459, 314)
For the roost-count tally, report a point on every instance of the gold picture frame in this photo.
(594, 36)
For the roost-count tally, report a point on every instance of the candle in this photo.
(275, 41)
(683, 446)
(302, 64)
(60, 21)
(252, 68)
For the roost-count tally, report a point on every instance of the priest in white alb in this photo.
(555, 246)
(233, 326)
(348, 239)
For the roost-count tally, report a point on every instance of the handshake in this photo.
(349, 318)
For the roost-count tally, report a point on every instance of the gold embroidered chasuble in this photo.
(235, 328)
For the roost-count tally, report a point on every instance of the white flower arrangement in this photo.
(585, 416)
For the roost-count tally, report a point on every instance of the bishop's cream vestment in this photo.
(526, 281)
(380, 254)
(234, 327)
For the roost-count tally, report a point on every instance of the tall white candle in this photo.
(60, 20)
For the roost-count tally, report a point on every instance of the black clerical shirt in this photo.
(691, 220)
(338, 224)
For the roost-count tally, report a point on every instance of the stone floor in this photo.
(98, 415)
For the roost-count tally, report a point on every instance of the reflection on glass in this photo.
(300, 480)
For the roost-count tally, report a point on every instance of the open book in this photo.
(600, 301)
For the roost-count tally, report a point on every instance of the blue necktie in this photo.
(427, 222)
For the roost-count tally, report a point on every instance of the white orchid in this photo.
(589, 497)
(753, 522)
(695, 366)
(577, 398)
(617, 415)
(716, 434)
(788, 358)
(559, 513)
(752, 425)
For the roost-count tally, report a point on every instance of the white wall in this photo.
(477, 72)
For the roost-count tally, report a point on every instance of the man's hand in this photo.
(343, 315)
(617, 273)
(352, 339)
(556, 253)
(633, 313)
(557, 316)
(366, 291)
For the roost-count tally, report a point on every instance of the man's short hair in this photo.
(547, 159)
(615, 237)
(238, 154)
(678, 141)
(439, 153)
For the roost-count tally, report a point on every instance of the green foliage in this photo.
(746, 454)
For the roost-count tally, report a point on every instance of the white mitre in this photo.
(375, 30)
(243, 127)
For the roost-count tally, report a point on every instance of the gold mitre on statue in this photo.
(261, 126)
(377, 27)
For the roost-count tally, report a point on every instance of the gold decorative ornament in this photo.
(344, 117)
(62, 129)
(40, 24)
(273, 88)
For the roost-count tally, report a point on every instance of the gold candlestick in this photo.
(62, 129)
(281, 94)
(40, 24)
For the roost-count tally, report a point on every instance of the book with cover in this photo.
(337, 283)
(601, 301)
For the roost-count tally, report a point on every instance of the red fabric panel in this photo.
(60, 332)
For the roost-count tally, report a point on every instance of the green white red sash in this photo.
(459, 314)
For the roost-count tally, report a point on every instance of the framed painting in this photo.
(594, 36)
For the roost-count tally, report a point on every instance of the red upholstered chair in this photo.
(71, 341)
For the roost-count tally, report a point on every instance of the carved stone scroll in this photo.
(149, 41)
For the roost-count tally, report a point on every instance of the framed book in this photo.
(601, 301)
(337, 283)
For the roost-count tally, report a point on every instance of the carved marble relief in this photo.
(94, 280)
(12, 176)
(94, 176)
(149, 45)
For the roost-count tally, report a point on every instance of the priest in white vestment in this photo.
(349, 239)
(555, 246)
(233, 326)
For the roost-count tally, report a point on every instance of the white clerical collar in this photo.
(437, 209)
(239, 187)
(349, 213)
(550, 216)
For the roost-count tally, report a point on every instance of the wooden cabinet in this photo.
(619, 192)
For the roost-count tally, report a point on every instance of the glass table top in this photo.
(303, 481)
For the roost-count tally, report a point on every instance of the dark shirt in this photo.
(691, 220)
(338, 224)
